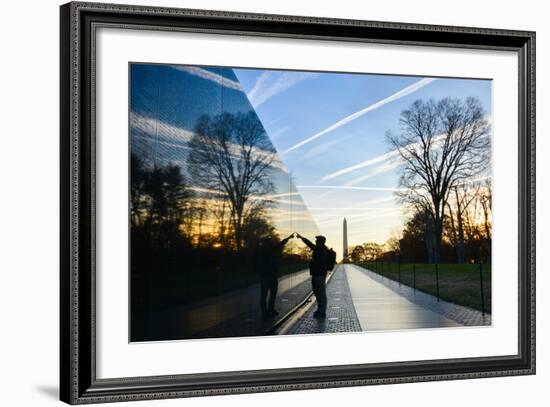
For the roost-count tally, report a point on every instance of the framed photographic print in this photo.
(258, 203)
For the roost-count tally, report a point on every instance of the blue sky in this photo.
(329, 130)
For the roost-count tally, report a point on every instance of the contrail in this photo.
(210, 76)
(348, 187)
(386, 159)
(379, 159)
(398, 95)
(271, 83)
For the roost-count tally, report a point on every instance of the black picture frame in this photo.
(78, 382)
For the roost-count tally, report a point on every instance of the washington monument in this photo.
(345, 251)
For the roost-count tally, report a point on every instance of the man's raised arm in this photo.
(284, 241)
(307, 242)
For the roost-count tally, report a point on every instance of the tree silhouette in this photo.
(418, 237)
(159, 199)
(441, 144)
(462, 196)
(358, 254)
(138, 178)
(485, 197)
(372, 251)
(231, 153)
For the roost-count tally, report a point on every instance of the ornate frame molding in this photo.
(79, 384)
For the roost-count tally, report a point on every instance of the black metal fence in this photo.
(464, 284)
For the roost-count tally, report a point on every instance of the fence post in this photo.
(414, 276)
(481, 287)
(437, 280)
(399, 270)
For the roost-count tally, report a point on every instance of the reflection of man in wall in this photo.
(318, 268)
(266, 262)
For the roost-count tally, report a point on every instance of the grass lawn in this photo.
(458, 283)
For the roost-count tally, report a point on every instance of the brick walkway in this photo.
(341, 316)
(458, 313)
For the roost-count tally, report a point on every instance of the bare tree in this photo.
(463, 196)
(392, 246)
(419, 228)
(159, 201)
(372, 251)
(485, 197)
(441, 145)
(358, 253)
(231, 153)
(138, 196)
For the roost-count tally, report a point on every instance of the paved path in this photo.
(380, 308)
(459, 313)
(361, 300)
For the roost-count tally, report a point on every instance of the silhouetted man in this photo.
(318, 268)
(266, 262)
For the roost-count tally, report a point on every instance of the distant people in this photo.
(266, 262)
(322, 260)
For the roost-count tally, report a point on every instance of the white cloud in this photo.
(355, 219)
(168, 133)
(383, 199)
(284, 194)
(379, 159)
(211, 76)
(398, 95)
(387, 161)
(359, 210)
(324, 147)
(271, 83)
(476, 180)
(380, 169)
(277, 133)
(348, 187)
(152, 126)
(269, 198)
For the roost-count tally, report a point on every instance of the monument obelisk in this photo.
(346, 255)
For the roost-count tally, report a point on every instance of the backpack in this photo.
(331, 259)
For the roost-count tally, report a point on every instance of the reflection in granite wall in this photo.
(211, 204)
